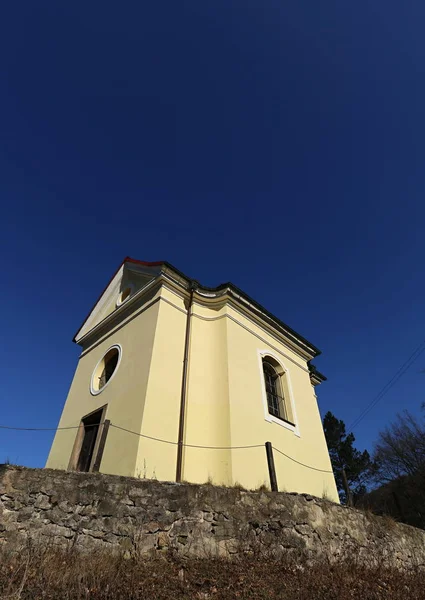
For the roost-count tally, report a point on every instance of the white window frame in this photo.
(262, 354)
(95, 392)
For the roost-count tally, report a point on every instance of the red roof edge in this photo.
(139, 262)
(126, 259)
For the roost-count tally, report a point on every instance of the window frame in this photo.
(276, 402)
(119, 301)
(281, 372)
(93, 391)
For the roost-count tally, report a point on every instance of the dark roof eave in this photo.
(221, 287)
(275, 319)
(315, 373)
(261, 308)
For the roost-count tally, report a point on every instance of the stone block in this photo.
(42, 501)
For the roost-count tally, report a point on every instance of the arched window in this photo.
(278, 405)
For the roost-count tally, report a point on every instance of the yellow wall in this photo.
(207, 414)
(161, 415)
(124, 395)
(207, 411)
(224, 399)
(225, 406)
(248, 424)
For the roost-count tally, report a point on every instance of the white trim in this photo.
(224, 298)
(97, 392)
(119, 301)
(110, 294)
(301, 345)
(104, 300)
(267, 416)
(114, 313)
(272, 334)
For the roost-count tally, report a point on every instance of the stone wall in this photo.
(136, 515)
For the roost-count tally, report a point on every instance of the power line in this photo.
(187, 445)
(163, 441)
(149, 437)
(145, 436)
(300, 463)
(41, 428)
(399, 373)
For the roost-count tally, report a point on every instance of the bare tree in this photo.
(400, 449)
(399, 459)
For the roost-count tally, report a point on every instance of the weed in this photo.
(48, 573)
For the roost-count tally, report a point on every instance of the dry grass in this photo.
(56, 575)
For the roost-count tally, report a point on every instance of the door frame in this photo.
(98, 447)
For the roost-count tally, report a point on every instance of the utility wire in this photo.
(399, 373)
(187, 445)
(162, 440)
(41, 428)
(300, 463)
(145, 436)
(149, 437)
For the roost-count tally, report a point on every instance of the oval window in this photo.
(105, 369)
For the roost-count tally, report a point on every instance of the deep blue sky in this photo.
(279, 145)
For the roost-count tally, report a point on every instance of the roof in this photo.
(291, 332)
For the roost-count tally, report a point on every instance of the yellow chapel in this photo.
(181, 382)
